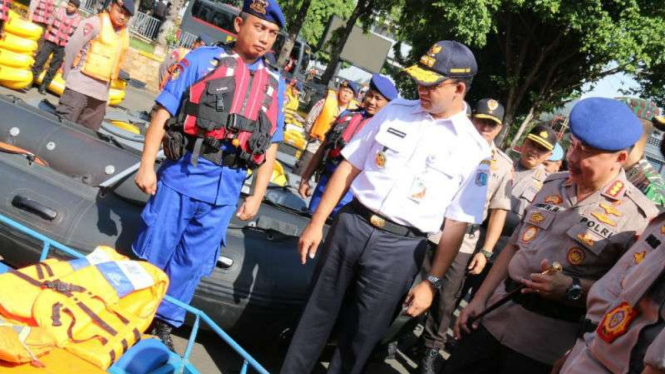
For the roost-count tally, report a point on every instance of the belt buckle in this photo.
(377, 221)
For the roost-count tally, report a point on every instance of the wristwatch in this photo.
(436, 282)
(574, 292)
(486, 253)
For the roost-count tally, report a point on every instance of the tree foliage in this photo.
(534, 55)
(318, 16)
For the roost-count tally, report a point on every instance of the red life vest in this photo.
(231, 104)
(44, 12)
(341, 133)
(4, 9)
(62, 27)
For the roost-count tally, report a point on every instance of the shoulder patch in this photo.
(646, 206)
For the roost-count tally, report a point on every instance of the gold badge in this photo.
(554, 199)
(544, 134)
(537, 217)
(377, 221)
(662, 229)
(615, 189)
(585, 238)
(429, 59)
(529, 234)
(380, 159)
(434, 50)
(576, 256)
(611, 210)
(639, 256)
(492, 105)
(616, 322)
(604, 219)
(259, 6)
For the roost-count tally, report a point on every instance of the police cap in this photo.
(605, 124)
(489, 109)
(267, 10)
(353, 86)
(444, 60)
(127, 4)
(544, 136)
(384, 86)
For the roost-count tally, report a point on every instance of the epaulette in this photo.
(556, 176)
(647, 206)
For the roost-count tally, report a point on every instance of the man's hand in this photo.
(146, 180)
(419, 299)
(249, 208)
(304, 189)
(474, 308)
(550, 286)
(477, 264)
(309, 241)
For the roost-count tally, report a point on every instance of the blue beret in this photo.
(384, 86)
(353, 86)
(267, 10)
(605, 124)
(299, 86)
(557, 153)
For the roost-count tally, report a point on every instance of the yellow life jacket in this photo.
(328, 115)
(102, 61)
(95, 308)
(291, 108)
(21, 344)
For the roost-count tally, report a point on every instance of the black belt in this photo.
(545, 307)
(383, 223)
(213, 154)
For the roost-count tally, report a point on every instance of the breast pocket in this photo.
(534, 222)
(588, 239)
(389, 152)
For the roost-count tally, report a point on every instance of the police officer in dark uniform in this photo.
(195, 196)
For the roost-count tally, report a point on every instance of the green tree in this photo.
(295, 24)
(317, 18)
(535, 55)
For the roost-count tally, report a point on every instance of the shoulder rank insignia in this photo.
(639, 256)
(537, 217)
(616, 322)
(576, 256)
(662, 229)
(554, 199)
(586, 239)
(615, 189)
(611, 210)
(529, 234)
(604, 219)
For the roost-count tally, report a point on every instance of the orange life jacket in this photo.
(328, 115)
(102, 60)
(95, 307)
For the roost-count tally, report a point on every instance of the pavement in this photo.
(210, 354)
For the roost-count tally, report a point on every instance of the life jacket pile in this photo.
(4, 9)
(339, 136)
(291, 109)
(94, 307)
(62, 27)
(230, 105)
(104, 53)
(44, 12)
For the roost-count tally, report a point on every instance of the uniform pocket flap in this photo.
(538, 217)
(392, 138)
(221, 86)
(589, 239)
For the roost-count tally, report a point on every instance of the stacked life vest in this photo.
(230, 105)
(104, 53)
(62, 27)
(44, 12)
(4, 10)
(339, 136)
(94, 307)
(291, 108)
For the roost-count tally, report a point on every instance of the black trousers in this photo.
(361, 279)
(445, 301)
(47, 49)
(81, 109)
(480, 353)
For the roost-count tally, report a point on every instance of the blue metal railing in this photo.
(249, 361)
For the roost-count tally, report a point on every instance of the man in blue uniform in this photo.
(195, 195)
(327, 157)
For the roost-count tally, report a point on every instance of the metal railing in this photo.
(144, 26)
(248, 361)
(186, 39)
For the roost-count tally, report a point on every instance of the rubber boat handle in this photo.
(34, 207)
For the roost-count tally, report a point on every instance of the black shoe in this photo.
(42, 89)
(163, 331)
(428, 362)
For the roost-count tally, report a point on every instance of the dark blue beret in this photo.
(299, 86)
(605, 124)
(267, 10)
(384, 86)
(353, 86)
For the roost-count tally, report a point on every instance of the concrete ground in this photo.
(211, 355)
